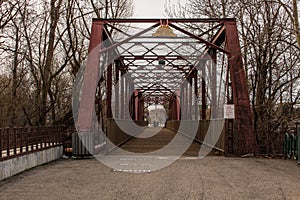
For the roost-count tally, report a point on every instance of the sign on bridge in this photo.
(229, 111)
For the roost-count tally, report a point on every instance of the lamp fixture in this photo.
(164, 31)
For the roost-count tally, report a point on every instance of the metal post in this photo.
(177, 105)
(190, 95)
(186, 100)
(173, 106)
(245, 134)
(171, 109)
(213, 54)
(203, 90)
(196, 93)
(117, 90)
(90, 80)
(132, 101)
(140, 107)
(109, 91)
(181, 102)
(125, 105)
(122, 100)
(136, 104)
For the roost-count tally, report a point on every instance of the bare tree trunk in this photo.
(54, 17)
(12, 110)
(296, 21)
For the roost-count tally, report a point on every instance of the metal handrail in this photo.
(16, 142)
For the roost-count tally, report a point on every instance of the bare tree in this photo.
(292, 11)
(8, 10)
(43, 44)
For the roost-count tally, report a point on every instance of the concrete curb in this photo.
(17, 165)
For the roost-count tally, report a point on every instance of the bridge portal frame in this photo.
(243, 137)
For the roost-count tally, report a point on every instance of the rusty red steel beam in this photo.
(158, 98)
(243, 114)
(203, 93)
(162, 42)
(217, 40)
(113, 46)
(171, 20)
(90, 79)
(171, 83)
(116, 28)
(219, 37)
(209, 30)
(166, 81)
(140, 106)
(199, 38)
(169, 57)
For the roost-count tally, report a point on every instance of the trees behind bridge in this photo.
(42, 45)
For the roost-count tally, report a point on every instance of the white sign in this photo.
(229, 111)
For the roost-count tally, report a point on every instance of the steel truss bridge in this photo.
(135, 63)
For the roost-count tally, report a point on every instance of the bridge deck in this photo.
(154, 139)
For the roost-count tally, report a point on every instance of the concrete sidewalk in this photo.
(208, 178)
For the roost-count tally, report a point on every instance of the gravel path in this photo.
(208, 178)
(213, 177)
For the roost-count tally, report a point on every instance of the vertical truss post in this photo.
(90, 80)
(213, 54)
(132, 101)
(190, 95)
(186, 101)
(129, 100)
(177, 104)
(181, 102)
(109, 91)
(98, 102)
(171, 109)
(125, 103)
(245, 136)
(136, 104)
(203, 95)
(122, 94)
(174, 109)
(196, 93)
(141, 107)
(117, 90)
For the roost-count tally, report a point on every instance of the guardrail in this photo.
(86, 143)
(15, 142)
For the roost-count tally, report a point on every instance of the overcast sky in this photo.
(150, 8)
